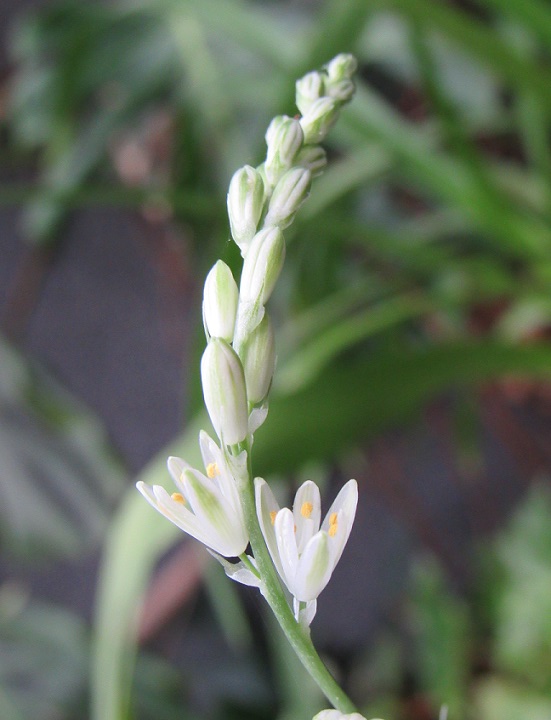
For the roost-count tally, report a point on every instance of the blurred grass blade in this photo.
(135, 541)
(445, 177)
(480, 40)
(58, 478)
(306, 364)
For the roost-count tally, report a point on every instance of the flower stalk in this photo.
(223, 508)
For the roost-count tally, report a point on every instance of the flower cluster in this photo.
(238, 364)
(305, 555)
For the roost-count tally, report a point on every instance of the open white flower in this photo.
(305, 555)
(207, 507)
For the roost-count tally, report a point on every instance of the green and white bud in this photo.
(262, 266)
(273, 128)
(308, 89)
(319, 120)
(341, 91)
(284, 138)
(220, 297)
(258, 358)
(289, 194)
(224, 391)
(245, 203)
(341, 67)
(313, 158)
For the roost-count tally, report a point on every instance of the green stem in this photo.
(296, 634)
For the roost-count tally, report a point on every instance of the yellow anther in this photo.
(306, 509)
(273, 516)
(179, 498)
(332, 519)
(333, 527)
(213, 470)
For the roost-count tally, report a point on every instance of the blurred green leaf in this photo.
(442, 636)
(58, 478)
(523, 622)
(43, 659)
(499, 699)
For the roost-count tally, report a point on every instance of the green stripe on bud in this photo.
(338, 83)
(289, 194)
(220, 298)
(258, 357)
(313, 158)
(319, 119)
(224, 391)
(245, 203)
(341, 67)
(284, 138)
(309, 89)
(262, 266)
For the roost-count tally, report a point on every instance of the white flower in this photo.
(207, 507)
(336, 715)
(305, 555)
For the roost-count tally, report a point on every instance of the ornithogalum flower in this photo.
(305, 555)
(336, 715)
(206, 506)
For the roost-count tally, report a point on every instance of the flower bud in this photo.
(341, 91)
(284, 138)
(313, 158)
(308, 89)
(336, 715)
(262, 265)
(319, 119)
(224, 391)
(220, 298)
(245, 202)
(274, 126)
(258, 357)
(289, 194)
(341, 67)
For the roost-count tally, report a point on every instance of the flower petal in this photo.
(287, 546)
(306, 513)
(343, 511)
(216, 516)
(238, 571)
(217, 469)
(305, 615)
(315, 568)
(177, 513)
(266, 510)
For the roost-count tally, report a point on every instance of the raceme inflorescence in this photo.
(292, 551)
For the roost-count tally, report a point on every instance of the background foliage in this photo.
(414, 311)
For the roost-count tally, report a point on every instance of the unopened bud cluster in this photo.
(262, 202)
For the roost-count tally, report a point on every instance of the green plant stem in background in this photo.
(297, 635)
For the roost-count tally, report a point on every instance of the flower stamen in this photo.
(212, 470)
(179, 498)
(306, 509)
